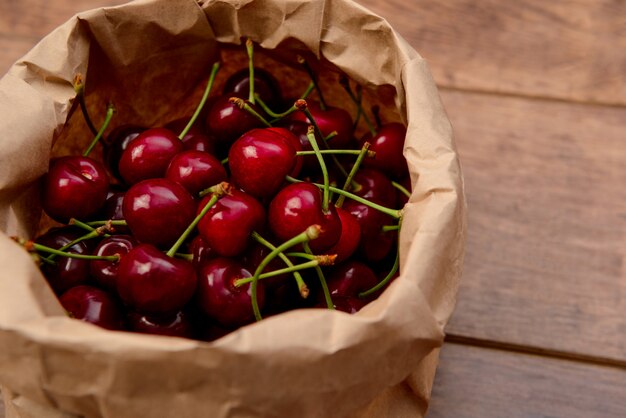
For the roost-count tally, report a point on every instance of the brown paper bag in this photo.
(309, 363)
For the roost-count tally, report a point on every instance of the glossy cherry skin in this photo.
(227, 226)
(220, 299)
(259, 161)
(150, 282)
(115, 144)
(292, 139)
(255, 255)
(375, 187)
(298, 206)
(196, 138)
(149, 155)
(67, 272)
(195, 171)
(388, 144)
(113, 210)
(351, 278)
(93, 305)
(228, 122)
(158, 211)
(103, 271)
(175, 325)
(375, 244)
(349, 305)
(350, 236)
(329, 120)
(265, 85)
(200, 251)
(75, 187)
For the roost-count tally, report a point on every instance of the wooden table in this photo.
(536, 91)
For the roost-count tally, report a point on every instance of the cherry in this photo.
(227, 226)
(374, 186)
(113, 210)
(351, 278)
(253, 257)
(350, 236)
(149, 155)
(330, 120)
(349, 305)
(292, 139)
(195, 171)
(196, 138)
(388, 144)
(375, 244)
(65, 272)
(265, 85)
(105, 272)
(228, 122)
(403, 199)
(298, 206)
(259, 161)
(299, 129)
(115, 144)
(175, 325)
(220, 299)
(93, 305)
(157, 211)
(75, 187)
(151, 282)
(200, 251)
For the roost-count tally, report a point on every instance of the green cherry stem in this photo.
(392, 272)
(310, 233)
(205, 96)
(357, 164)
(394, 213)
(109, 222)
(250, 52)
(241, 104)
(188, 257)
(44, 249)
(345, 83)
(311, 74)
(302, 287)
(388, 228)
(79, 88)
(219, 191)
(320, 275)
(322, 259)
(369, 154)
(286, 270)
(402, 189)
(326, 199)
(98, 232)
(107, 120)
(278, 116)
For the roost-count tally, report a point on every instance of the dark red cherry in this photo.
(227, 226)
(196, 171)
(93, 305)
(174, 325)
(259, 161)
(350, 236)
(105, 272)
(329, 120)
(115, 144)
(375, 244)
(75, 187)
(375, 187)
(176, 126)
(150, 282)
(113, 210)
(66, 272)
(265, 85)
(298, 206)
(228, 122)
(196, 138)
(349, 305)
(350, 278)
(292, 139)
(220, 299)
(388, 144)
(255, 255)
(149, 155)
(299, 129)
(200, 251)
(158, 211)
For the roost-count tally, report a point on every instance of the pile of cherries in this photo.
(258, 206)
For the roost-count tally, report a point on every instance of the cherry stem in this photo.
(188, 257)
(384, 281)
(119, 222)
(357, 164)
(302, 287)
(309, 71)
(345, 83)
(369, 154)
(326, 199)
(292, 269)
(44, 249)
(219, 190)
(107, 120)
(402, 189)
(241, 104)
(376, 113)
(278, 116)
(205, 96)
(388, 228)
(93, 234)
(79, 88)
(312, 232)
(320, 274)
(250, 52)
(394, 213)
(322, 259)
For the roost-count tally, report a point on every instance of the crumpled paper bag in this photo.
(309, 363)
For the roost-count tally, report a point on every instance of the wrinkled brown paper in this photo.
(150, 57)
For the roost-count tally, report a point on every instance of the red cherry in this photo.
(200, 251)
(196, 138)
(158, 211)
(388, 144)
(176, 325)
(351, 278)
(265, 85)
(375, 244)
(375, 187)
(149, 155)
(228, 122)
(151, 282)
(93, 305)
(196, 171)
(255, 255)
(329, 120)
(115, 144)
(298, 206)
(259, 161)
(220, 299)
(113, 210)
(350, 236)
(299, 129)
(75, 187)
(227, 226)
(105, 272)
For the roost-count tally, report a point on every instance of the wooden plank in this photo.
(546, 250)
(571, 49)
(474, 382)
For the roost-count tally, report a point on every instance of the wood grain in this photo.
(486, 383)
(570, 49)
(546, 249)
